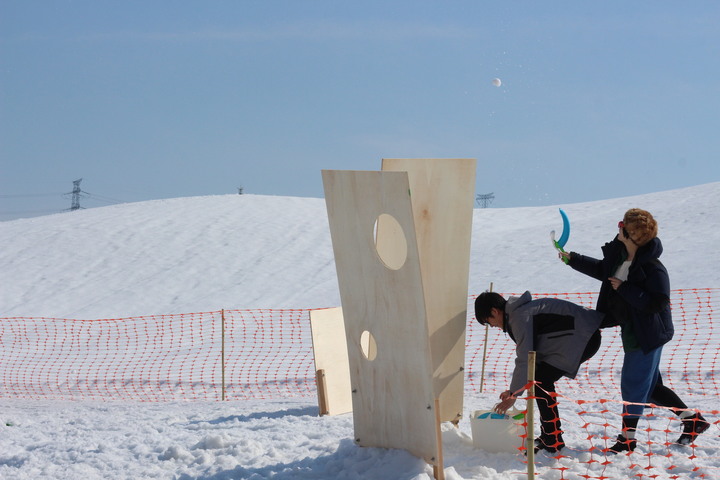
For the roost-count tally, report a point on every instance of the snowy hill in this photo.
(247, 251)
(207, 253)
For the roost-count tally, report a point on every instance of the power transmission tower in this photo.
(75, 204)
(484, 199)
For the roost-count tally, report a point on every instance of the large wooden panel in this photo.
(331, 357)
(382, 298)
(442, 201)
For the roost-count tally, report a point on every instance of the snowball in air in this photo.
(497, 82)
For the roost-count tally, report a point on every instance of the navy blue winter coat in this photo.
(646, 291)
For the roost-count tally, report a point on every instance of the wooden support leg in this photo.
(530, 417)
(439, 467)
(322, 392)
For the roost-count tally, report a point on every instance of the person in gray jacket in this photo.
(563, 335)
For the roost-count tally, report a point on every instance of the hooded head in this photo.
(640, 226)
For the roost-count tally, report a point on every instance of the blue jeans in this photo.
(640, 372)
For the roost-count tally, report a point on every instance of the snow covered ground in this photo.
(245, 251)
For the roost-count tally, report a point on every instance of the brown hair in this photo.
(641, 225)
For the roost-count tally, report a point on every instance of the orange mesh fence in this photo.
(689, 362)
(268, 354)
(591, 427)
(591, 407)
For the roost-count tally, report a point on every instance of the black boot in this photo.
(692, 427)
(622, 445)
(549, 443)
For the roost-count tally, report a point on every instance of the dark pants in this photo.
(546, 375)
(663, 396)
(547, 404)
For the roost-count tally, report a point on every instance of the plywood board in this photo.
(330, 350)
(442, 192)
(382, 294)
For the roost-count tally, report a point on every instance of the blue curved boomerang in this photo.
(566, 229)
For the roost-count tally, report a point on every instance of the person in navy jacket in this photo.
(635, 294)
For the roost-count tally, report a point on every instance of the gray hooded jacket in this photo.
(556, 329)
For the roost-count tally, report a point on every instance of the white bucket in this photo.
(497, 433)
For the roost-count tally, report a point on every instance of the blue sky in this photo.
(158, 99)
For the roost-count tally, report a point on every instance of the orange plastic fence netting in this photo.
(268, 354)
(690, 361)
(590, 428)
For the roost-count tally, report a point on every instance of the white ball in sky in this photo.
(497, 82)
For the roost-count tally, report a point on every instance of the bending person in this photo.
(562, 334)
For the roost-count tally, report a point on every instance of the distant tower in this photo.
(76, 195)
(484, 199)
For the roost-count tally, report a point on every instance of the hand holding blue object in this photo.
(560, 243)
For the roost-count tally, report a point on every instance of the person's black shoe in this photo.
(692, 427)
(622, 445)
(549, 443)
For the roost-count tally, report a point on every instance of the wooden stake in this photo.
(322, 392)
(439, 467)
(530, 417)
(482, 372)
(222, 354)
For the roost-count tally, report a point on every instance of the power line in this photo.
(77, 193)
(102, 198)
(28, 195)
(22, 212)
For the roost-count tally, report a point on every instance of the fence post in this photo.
(222, 354)
(530, 417)
(482, 373)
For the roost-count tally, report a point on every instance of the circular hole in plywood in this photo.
(390, 242)
(368, 345)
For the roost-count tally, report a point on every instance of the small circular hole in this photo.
(368, 345)
(390, 242)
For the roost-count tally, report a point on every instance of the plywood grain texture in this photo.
(393, 394)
